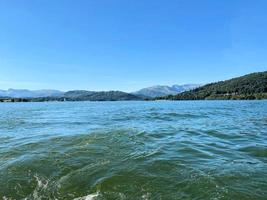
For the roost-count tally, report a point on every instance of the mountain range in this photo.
(23, 93)
(251, 86)
(163, 90)
(75, 95)
(155, 91)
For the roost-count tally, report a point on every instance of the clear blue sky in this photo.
(129, 44)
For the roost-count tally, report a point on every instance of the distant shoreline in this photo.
(155, 100)
(248, 87)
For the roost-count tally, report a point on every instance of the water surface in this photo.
(134, 150)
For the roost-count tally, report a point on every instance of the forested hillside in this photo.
(251, 86)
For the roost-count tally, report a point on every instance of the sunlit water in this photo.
(134, 150)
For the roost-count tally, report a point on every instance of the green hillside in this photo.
(79, 95)
(251, 86)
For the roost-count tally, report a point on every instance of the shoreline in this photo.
(155, 100)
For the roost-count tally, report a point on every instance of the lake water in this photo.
(134, 150)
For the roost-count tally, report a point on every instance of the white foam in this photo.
(41, 187)
(88, 197)
(40, 183)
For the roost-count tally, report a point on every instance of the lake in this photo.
(134, 150)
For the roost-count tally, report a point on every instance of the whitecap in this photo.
(88, 197)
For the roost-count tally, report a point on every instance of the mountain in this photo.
(83, 95)
(29, 93)
(251, 86)
(161, 90)
(75, 95)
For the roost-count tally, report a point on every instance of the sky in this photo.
(129, 44)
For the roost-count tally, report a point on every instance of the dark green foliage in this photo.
(248, 87)
(100, 96)
(79, 95)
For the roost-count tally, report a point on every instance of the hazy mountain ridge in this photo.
(24, 93)
(74, 95)
(250, 86)
(163, 90)
(146, 92)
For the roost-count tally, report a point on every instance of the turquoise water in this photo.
(134, 150)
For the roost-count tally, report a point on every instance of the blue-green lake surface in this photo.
(134, 150)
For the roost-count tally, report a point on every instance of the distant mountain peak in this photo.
(163, 90)
(25, 93)
(153, 91)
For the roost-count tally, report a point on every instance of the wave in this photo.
(134, 151)
(88, 197)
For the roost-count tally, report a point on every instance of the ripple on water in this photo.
(134, 150)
